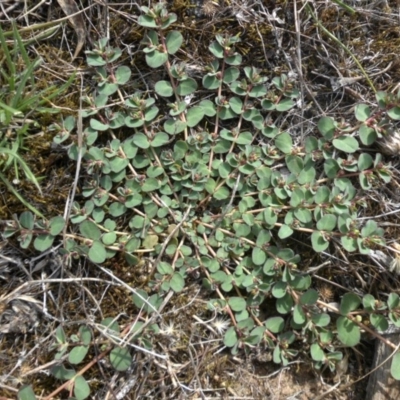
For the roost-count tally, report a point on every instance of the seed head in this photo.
(220, 325)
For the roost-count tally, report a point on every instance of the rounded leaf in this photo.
(156, 58)
(77, 354)
(164, 88)
(327, 223)
(318, 242)
(89, 230)
(186, 87)
(237, 303)
(97, 252)
(173, 41)
(194, 116)
(394, 113)
(362, 112)
(379, 322)
(309, 298)
(348, 332)
(81, 388)
(395, 367)
(120, 358)
(122, 74)
(326, 125)
(284, 143)
(43, 242)
(230, 338)
(367, 135)
(349, 303)
(275, 324)
(56, 225)
(364, 161)
(177, 282)
(316, 352)
(346, 143)
(285, 231)
(26, 220)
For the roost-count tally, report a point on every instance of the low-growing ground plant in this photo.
(197, 175)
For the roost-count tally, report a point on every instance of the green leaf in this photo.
(122, 74)
(117, 209)
(362, 112)
(97, 125)
(364, 161)
(258, 256)
(321, 320)
(89, 230)
(317, 354)
(285, 304)
(394, 113)
(367, 135)
(350, 302)
(186, 87)
(109, 238)
(299, 316)
(150, 185)
(194, 116)
(222, 193)
(379, 322)
(279, 289)
(216, 49)
(348, 332)
(77, 354)
(331, 168)
(309, 298)
(120, 358)
(174, 127)
(349, 243)
(395, 366)
(237, 303)
(294, 164)
(43, 242)
(208, 107)
(159, 139)
(177, 283)
(62, 373)
(231, 74)
(275, 324)
(164, 88)
(346, 143)
(327, 223)
(173, 41)
(318, 242)
(85, 335)
(81, 388)
(26, 220)
(147, 21)
(303, 215)
(230, 337)
(97, 252)
(284, 143)
(26, 393)
(156, 58)
(56, 225)
(111, 325)
(141, 140)
(326, 125)
(369, 228)
(285, 231)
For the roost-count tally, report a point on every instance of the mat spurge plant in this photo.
(199, 176)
